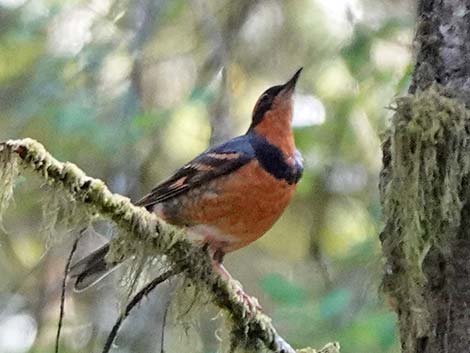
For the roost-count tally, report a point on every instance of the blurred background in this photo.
(130, 90)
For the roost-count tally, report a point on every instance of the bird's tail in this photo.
(91, 269)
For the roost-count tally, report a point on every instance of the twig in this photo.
(64, 284)
(165, 314)
(135, 300)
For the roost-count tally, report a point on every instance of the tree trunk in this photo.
(425, 187)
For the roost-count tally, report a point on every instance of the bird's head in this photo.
(272, 114)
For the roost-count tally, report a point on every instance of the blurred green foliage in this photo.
(129, 90)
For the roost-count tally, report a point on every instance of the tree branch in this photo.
(141, 228)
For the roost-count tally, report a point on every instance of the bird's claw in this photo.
(251, 303)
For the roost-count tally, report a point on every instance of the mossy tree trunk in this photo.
(425, 187)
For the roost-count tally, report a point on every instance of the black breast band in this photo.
(274, 162)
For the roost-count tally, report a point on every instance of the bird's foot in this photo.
(251, 303)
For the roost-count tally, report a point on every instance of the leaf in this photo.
(283, 291)
(335, 303)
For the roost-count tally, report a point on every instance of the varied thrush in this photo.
(231, 194)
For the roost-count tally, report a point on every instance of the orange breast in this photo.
(238, 208)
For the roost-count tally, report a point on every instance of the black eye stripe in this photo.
(264, 103)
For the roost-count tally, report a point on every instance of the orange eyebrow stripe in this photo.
(227, 156)
(178, 183)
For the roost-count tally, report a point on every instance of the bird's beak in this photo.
(289, 86)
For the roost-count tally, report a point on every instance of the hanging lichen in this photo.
(8, 174)
(430, 159)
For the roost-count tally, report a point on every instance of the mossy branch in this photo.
(141, 228)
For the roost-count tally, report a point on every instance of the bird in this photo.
(231, 194)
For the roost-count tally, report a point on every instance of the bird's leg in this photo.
(250, 302)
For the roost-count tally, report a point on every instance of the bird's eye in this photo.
(264, 97)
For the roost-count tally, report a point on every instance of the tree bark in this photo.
(443, 46)
(425, 187)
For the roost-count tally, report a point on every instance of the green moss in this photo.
(430, 156)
